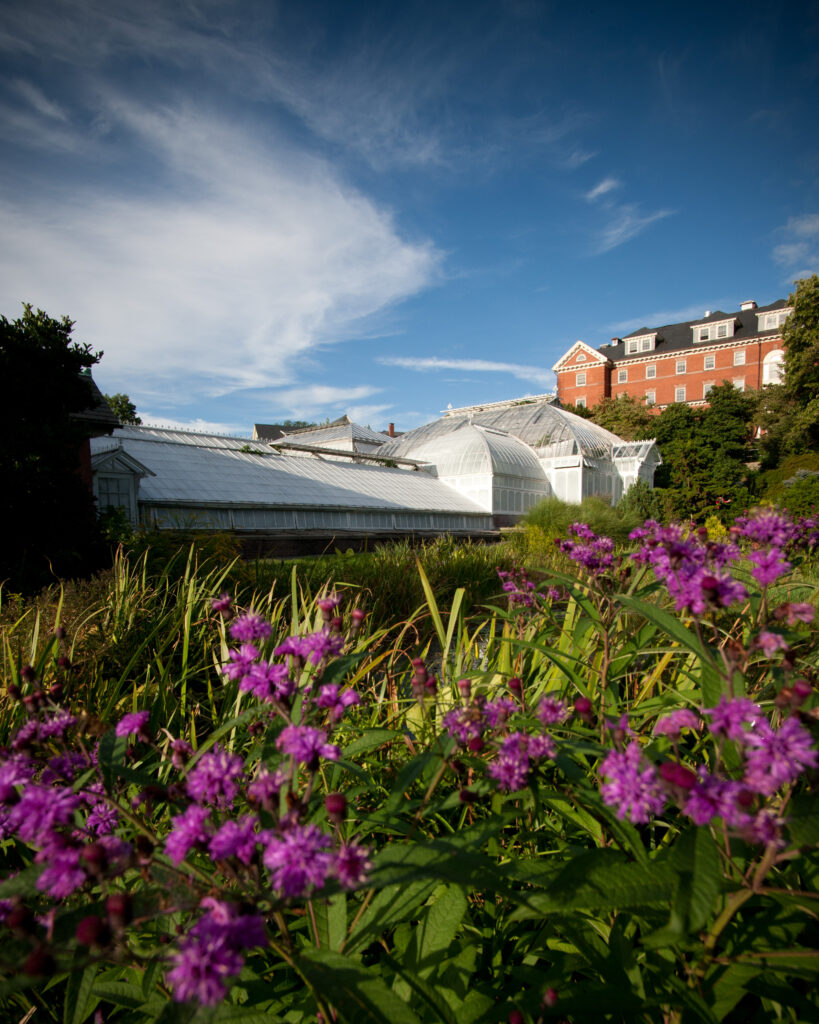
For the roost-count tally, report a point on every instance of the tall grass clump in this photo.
(597, 801)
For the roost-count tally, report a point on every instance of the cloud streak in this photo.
(626, 222)
(529, 373)
(799, 253)
(603, 188)
(243, 258)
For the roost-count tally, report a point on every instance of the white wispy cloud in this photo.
(198, 425)
(661, 318)
(243, 258)
(626, 222)
(603, 188)
(522, 372)
(304, 402)
(799, 253)
(38, 100)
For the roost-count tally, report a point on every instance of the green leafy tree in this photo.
(801, 337)
(625, 416)
(50, 524)
(123, 408)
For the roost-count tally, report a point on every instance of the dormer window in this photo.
(714, 332)
(771, 321)
(644, 343)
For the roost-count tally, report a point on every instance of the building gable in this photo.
(580, 355)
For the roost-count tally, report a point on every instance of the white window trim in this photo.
(642, 343)
(711, 332)
(712, 365)
(707, 386)
(651, 371)
(622, 376)
(677, 393)
(739, 383)
(581, 401)
(651, 397)
(681, 363)
(739, 357)
(581, 357)
(778, 315)
(580, 380)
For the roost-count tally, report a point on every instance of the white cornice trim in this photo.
(578, 346)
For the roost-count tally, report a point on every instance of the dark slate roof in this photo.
(678, 337)
(268, 431)
(98, 416)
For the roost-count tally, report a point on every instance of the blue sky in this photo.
(261, 210)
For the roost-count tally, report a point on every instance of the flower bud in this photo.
(516, 686)
(516, 1017)
(95, 857)
(466, 796)
(118, 908)
(28, 674)
(465, 686)
(59, 633)
(475, 744)
(13, 691)
(336, 806)
(21, 920)
(583, 707)
(550, 998)
(39, 963)
(677, 775)
(55, 692)
(93, 931)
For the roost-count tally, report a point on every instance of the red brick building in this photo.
(679, 362)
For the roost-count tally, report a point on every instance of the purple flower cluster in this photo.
(210, 953)
(595, 554)
(520, 590)
(511, 767)
(214, 779)
(306, 745)
(771, 758)
(693, 568)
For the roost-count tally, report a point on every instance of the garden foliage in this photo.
(596, 801)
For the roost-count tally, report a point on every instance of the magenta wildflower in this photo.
(497, 711)
(298, 860)
(352, 862)
(62, 874)
(133, 724)
(551, 711)
(673, 723)
(249, 627)
(265, 787)
(463, 724)
(188, 831)
(633, 787)
(798, 612)
(306, 744)
(730, 716)
(712, 797)
(181, 750)
(214, 778)
(511, 767)
(775, 758)
(241, 661)
(769, 565)
(40, 811)
(57, 724)
(769, 643)
(265, 679)
(222, 605)
(337, 703)
(209, 955)
(236, 839)
(595, 554)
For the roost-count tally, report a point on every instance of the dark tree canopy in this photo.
(123, 408)
(625, 416)
(49, 515)
(801, 337)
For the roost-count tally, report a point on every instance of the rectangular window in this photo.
(580, 380)
(739, 383)
(722, 331)
(651, 371)
(680, 366)
(581, 402)
(703, 334)
(651, 397)
(622, 376)
(706, 388)
(679, 395)
(710, 363)
(632, 347)
(739, 357)
(647, 344)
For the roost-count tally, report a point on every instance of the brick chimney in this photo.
(391, 430)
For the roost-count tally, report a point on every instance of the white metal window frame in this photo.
(622, 376)
(679, 395)
(709, 363)
(651, 397)
(681, 366)
(651, 371)
(739, 357)
(580, 380)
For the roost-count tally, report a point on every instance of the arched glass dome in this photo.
(470, 449)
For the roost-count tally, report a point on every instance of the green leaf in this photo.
(438, 926)
(603, 880)
(392, 905)
(24, 883)
(331, 920)
(803, 821)
(358, 993)
(370, 739)
(111, 755)
(696, 858)
(79, 1001)
(121, 993)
